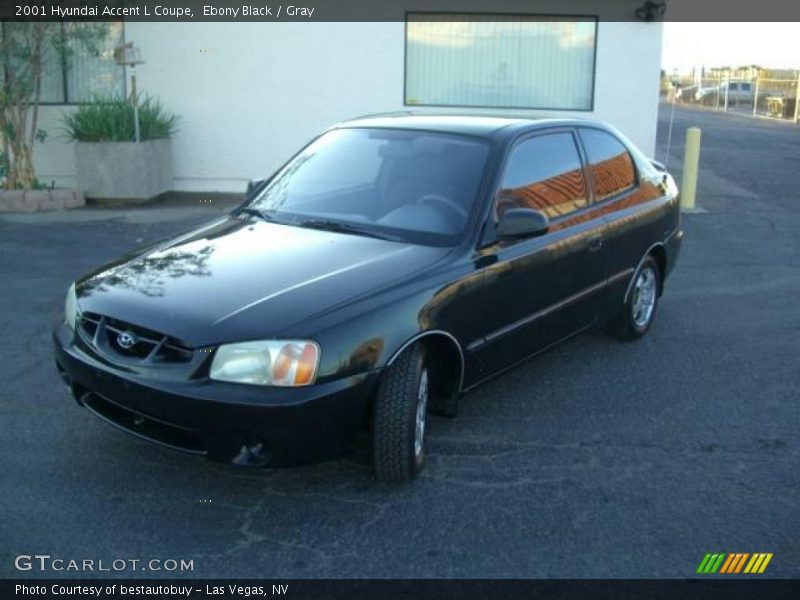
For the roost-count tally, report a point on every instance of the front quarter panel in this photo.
(365, 335)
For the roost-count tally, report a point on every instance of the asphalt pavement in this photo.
(597, 459)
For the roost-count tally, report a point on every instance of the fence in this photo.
(763, 97)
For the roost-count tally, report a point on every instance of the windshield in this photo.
(414, 186)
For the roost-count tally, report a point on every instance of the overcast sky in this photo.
(775, 45)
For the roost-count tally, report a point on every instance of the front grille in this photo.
(132, 342)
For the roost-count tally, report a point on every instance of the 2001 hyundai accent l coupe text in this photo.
(394, 263)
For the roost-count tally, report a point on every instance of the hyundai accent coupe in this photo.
(394, 263)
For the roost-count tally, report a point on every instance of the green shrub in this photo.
(111, 120)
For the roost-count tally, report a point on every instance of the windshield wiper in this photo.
(338, 227)
(247, 210)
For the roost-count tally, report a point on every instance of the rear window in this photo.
(610, 163)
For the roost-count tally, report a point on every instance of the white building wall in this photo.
(250, 94)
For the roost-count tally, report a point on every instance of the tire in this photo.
(640, 306)
(398, 447)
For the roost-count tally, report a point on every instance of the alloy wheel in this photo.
(644, 297)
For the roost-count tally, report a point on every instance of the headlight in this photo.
(71, 308)
(284, 363)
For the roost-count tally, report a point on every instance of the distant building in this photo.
(747, 73)
(750, 73)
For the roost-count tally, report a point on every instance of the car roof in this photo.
(481, 125)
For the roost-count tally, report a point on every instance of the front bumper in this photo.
(229, 422)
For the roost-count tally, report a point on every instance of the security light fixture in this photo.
(128, 55)
(651, 10)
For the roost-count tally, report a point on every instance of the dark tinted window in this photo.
(745, 87)
(610, 162)
(543, 173)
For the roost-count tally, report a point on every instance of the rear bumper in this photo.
(228, 422)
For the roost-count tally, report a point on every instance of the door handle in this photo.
(595, 243)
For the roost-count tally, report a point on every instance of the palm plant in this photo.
(111, 119)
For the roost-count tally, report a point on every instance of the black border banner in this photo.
(392, 10)
(411, 589)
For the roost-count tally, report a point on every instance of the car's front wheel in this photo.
(400, 416)
(640, 306)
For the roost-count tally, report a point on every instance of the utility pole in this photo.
(727, 88)
(755, 97)
(135, 99)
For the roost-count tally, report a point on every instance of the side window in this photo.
(543, 173)
(610, 162)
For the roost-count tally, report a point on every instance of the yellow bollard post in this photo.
(691, 160)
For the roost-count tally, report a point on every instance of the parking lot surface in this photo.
(597, 459)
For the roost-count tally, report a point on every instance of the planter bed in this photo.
(124, 171)
(39, 200)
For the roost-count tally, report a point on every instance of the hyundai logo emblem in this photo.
(126, 340)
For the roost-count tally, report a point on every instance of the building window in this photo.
(500, 61)
(84, 75)
(543, 173)
(610, 163)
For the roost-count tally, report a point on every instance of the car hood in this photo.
(238, 279)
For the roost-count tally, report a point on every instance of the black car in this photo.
(394, 263)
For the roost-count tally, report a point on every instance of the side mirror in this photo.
(522, 223)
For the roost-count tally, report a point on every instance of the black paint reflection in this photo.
(148, 275)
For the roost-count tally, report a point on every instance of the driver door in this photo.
(539, 290)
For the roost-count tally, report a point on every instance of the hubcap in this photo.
(644, 297)
(422, 408)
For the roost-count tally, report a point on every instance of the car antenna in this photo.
(669, 135)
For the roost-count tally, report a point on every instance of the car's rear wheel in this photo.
(400, 417)
(640, 306)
